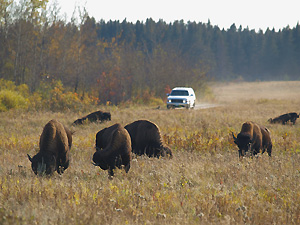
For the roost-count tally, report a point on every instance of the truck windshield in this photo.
(179, 93)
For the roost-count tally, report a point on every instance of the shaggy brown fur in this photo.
(146, 139)
(102, 139)
(114, 149)
(93, 117)
(55, 144)
(283, 119)
(253, 137)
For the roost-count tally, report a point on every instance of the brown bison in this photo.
(146, 139)
(113, 149)
(55, 144)
(252, 138)
(283, 119)
(93, 117)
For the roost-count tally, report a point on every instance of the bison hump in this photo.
(54, 137)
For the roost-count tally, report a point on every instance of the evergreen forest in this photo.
(119, 60)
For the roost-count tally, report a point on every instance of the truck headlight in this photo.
(169, 100)
(184, 100)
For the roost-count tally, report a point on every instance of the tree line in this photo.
(118, 61)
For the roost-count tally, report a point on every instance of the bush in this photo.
(7, 85)
(11, 100)
(52, 96)
(146, 97)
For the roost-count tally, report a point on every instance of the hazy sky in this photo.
(256, 14)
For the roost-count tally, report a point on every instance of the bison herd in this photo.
(116, 144)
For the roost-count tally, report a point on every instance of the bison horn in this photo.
(233, 136)
(95, 164)
(30, 159)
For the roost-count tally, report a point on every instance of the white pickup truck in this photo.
(181, 97)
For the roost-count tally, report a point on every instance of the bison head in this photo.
(244, 142)
(43, 164)
(106, 116)
(98, 160)
(78, 122)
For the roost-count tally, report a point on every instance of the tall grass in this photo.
(205, 182)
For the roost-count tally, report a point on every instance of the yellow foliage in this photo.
(11, 100)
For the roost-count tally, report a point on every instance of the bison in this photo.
(252, 138)
(55, 144)
(93, 117)
(113, 149)
(283, 119)
(146, 139)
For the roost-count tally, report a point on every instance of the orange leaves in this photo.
(110, 86)
(167, 89)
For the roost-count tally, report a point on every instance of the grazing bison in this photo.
(55, 144)
(113, 149)
(252, 138)
(93, 117)
(283, 119)
(146, 139)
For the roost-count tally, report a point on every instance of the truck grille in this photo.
(176, 100)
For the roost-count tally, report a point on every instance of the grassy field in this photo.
(204, 183)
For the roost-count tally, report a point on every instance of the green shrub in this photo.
(11, 100)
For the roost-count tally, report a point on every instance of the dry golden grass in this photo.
(274, 90)
(205, 182)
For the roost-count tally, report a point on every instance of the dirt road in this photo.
(205, 105)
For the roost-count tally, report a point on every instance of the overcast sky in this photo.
(256, 14)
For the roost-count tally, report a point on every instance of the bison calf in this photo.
(284, 118)
(55, 144)
(253, 138)
(146, 139)
(93, 117)
(113, 149)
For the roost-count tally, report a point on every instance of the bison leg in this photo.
(269, 150)
(62, 167)
(110, 172)
(127, 167)
(241, 153)
(62, 162)
(125, 160)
